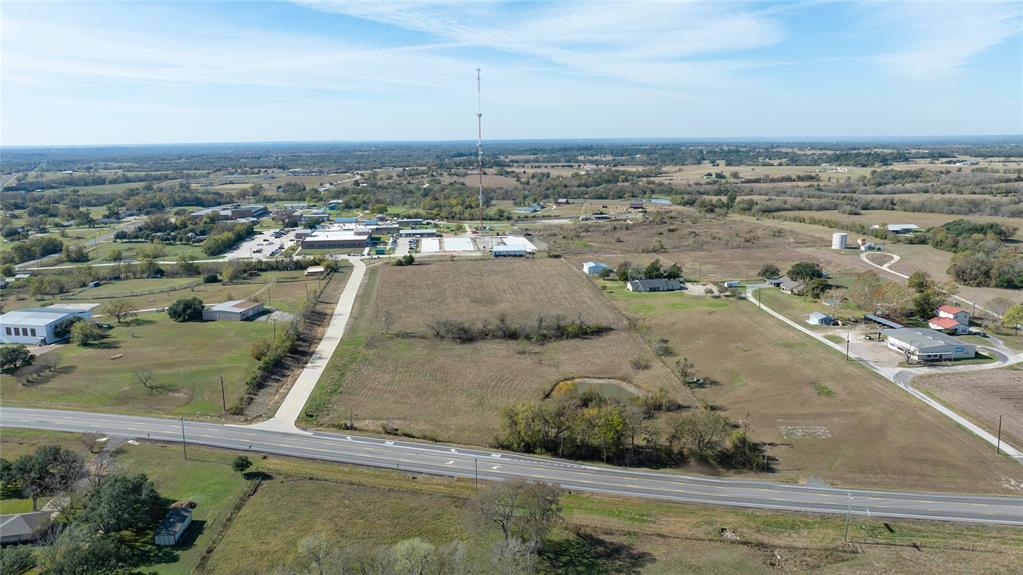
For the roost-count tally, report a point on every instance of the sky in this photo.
(125, 72)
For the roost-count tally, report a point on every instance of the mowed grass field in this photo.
(187, 360)
(354, 506)
(865, 433)
(284, 290)
(390, 369)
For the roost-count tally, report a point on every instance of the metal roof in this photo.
(37, 316)
(235, 305)
(24, 524)
(882, 321)
(921, 338)
(665, 283)
(175, 521)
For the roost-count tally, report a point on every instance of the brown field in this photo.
(455, 392)
(869, 433)
(982, 396)
(924, 220)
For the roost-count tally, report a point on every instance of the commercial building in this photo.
(234, 212)
(654, 285)
(418, 233)
(38, 325)
(510, 251)
(173, 527)
(595, 268)
(236, 310)
(335, 239)
(928, 345)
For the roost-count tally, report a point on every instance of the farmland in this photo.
(867, 433)
(393, 372)
(982, 396)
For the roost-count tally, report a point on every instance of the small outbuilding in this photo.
(818, 318)
(595, 268)
(731, 284)
(24, 527)
(315, 271)
(236, 310)
(654, 285)
(173, 526)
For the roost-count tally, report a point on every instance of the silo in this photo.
(839, 240)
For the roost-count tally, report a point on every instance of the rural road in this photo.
(291, 407)
(437, 459)
(902, 377)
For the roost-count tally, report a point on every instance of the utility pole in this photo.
(223, 394)
(848, 337)
(479, 143)
(476, 462)
(848, 517)
(184, 444)
(998, 444)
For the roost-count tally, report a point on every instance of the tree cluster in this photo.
(544, 329)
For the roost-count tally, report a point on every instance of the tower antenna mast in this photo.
(479, 143)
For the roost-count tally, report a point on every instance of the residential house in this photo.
(654, 285)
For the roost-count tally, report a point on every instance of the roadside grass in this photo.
(876, 434)
(187, 360)
(835, 339)
(366, 507)
(205, 477)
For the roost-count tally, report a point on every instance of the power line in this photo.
(479, 143)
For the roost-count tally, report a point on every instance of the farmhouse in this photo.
(788, 285)
(237, 310)
(335, 239)
(948, 325)
(37, 325)
(957, 313)
(654, 285)
(927, 344)
(173, 526)
(818, 318)
(24, 527)
(594, 268)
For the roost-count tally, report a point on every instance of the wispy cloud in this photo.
(656, 43)
(935, 39)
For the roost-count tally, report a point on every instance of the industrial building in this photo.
(418, 233)
(654, 285)
(38, 325)
(928, 345)
(234, 212)
(236, 310)
(335, 239)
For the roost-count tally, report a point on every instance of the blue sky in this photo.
(154, 72)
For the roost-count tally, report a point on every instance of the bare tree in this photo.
(520, 509)
(145, 378)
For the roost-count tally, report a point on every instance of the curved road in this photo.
(437, 459)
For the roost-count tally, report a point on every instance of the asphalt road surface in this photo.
(436, 459)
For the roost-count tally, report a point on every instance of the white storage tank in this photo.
(839, 241)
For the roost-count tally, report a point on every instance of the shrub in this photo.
(14, 357)
(85, 333)
(186, 309)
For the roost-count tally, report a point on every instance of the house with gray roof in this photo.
(24, 527)
(654, 285)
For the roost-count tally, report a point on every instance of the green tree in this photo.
(123, 503)
(653, 270)
(14, 357)
(1013, 318)
(701, 434)
(769, 271)
(85, 333)
(241, 464)
(186, 309)
(48, 470)
(804, 271)
(920, 281)
(120, 309)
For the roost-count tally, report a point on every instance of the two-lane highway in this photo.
(437, 459)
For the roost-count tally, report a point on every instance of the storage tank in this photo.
(839, 241)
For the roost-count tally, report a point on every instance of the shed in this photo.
(173, 526)
(236, 310)
(818, 318)
(595, 268)
(315, 271)
(654, 285)
(24, 527)
(731, 284)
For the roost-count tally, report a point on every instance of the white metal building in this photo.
(928, 345)
(839, 241)
(595, 268)
(36, 325)
(237, 310)
(510, 251)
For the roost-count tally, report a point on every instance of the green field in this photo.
(131, 250)
(187, 360)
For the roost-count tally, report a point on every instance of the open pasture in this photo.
(982, 396)
(391, 370)
(866, 432)
(922, 219)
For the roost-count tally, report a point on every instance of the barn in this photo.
(237, 310)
